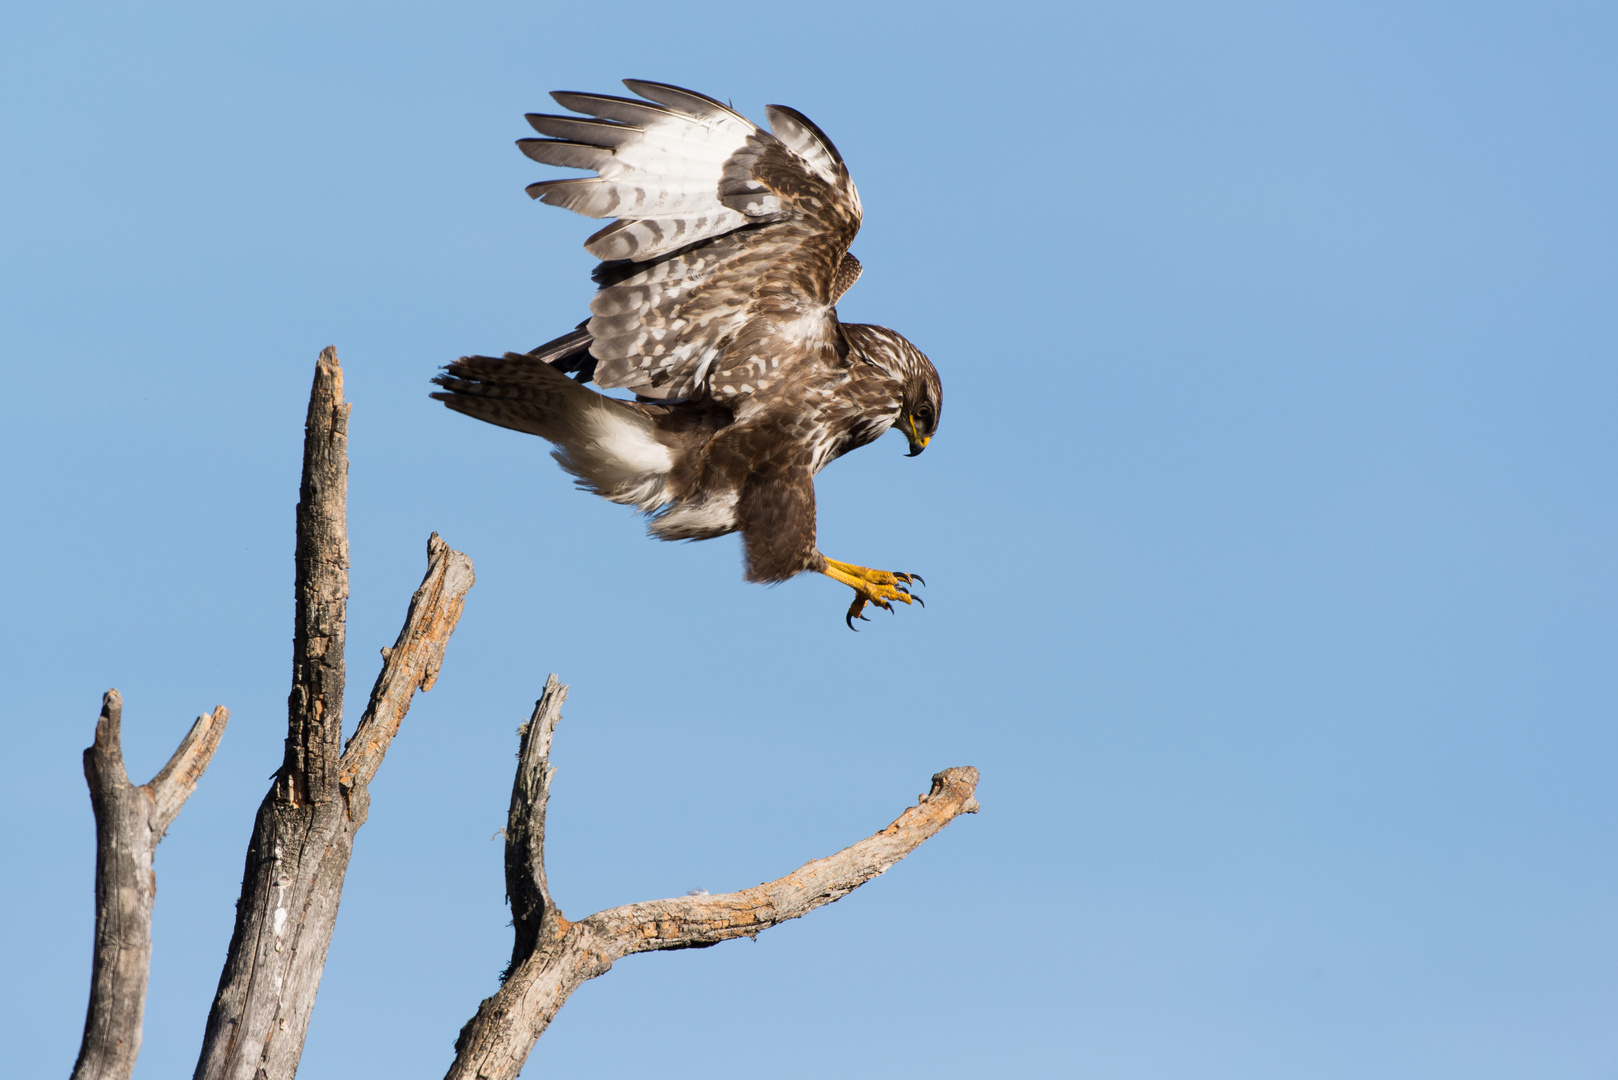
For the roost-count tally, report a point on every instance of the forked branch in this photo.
(552, 957)
(130, 823)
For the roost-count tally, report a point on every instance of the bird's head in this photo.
(923, 400)
(922, 393)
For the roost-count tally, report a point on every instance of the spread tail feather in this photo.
(611, 446)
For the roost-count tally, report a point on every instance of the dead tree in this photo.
(303, 835)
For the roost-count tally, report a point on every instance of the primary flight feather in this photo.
(716, 308)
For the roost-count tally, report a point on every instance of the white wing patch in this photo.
(658, 169)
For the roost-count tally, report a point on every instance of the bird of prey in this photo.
(716, 307)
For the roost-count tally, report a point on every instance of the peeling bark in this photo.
(551, 957)
(130, 823)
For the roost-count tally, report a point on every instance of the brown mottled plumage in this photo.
(718, 282)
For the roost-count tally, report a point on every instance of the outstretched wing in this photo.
(730, 244)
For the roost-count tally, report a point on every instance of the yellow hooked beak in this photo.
(918, 441)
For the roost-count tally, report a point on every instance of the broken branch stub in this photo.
(526, 887)
(315, 704)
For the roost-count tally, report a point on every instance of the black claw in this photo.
(919, 600)
(919, 578)
(851, 626)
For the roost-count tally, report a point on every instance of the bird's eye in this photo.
(924, 412)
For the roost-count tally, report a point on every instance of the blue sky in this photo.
(1268, 533)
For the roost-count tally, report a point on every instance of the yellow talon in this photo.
(879, 587)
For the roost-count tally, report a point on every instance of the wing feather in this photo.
(568, 155)
(589, 132)
(727, 249)
(607, 107)
(803, 138)
(686, 101)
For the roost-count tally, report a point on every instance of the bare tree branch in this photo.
(552, 957)
(175, 782)
(304, 832)
(526, 887)
(130, 823)
(315, 706)
(697, 921)
(412, 663)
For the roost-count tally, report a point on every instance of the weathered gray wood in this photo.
(412, 664)
(315, 705)
(304, 833)
(130, 823)
(552, 957)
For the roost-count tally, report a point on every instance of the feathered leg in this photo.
(778, 528)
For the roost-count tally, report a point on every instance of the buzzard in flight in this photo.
(716, 307)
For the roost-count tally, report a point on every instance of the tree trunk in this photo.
(304, 833)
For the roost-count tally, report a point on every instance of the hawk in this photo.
(716, 307)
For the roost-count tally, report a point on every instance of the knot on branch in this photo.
(957, 783)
